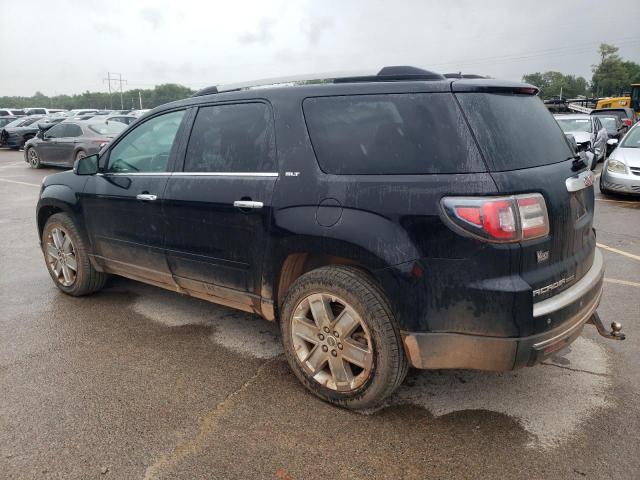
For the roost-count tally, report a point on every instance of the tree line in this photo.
(611, 77)
(151, 97)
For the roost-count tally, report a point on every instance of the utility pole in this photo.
(140, 98)
(112, 77)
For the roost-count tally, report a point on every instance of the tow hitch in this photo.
(616, 328)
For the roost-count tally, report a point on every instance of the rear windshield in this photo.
(514, 131)
(391, 134)
(618, 113)
(111, 128)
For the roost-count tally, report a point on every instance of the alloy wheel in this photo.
(34, 160)
(61, 256)
(332, 343)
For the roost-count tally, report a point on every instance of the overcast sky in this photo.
(68, 46)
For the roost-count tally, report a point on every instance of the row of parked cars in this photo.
(608, 135)
(61, 137)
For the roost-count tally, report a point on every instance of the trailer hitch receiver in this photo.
(616, 328)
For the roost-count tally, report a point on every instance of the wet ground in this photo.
(137, 382)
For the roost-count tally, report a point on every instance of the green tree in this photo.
(613, 76)
(553, 83)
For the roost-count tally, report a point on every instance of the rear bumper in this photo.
(453, 350)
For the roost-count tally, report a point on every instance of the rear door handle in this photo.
(146, 197)
(247, 204)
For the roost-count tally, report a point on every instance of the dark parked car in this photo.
(68, 141)
(626, 115)
(15, 134)
(4, 121)
(401, 219)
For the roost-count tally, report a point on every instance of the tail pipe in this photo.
(616, 328)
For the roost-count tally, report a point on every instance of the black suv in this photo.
(402, 219)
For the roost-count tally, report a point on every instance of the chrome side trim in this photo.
(580, 181)
(570, 295)
(247, 204)
(135, 174)
(225, 174)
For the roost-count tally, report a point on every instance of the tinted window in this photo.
(28, 121)
(514, 131)
(232, 138)
(618, 113)
(72, 130)
(56, 131)
(390, 134)
(147, 147)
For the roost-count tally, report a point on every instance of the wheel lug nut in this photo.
(334, 353)
(321, 336)
(336, 334)
(326, 329)
(340, 346)
(325, 348)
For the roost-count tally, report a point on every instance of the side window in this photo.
(73, 130)
(56, 131)
(232, 138)
(146, 148)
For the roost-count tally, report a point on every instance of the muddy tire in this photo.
(67, 259)
(33, 158)
(341, 339)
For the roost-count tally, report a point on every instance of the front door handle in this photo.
(146, 197)
(247, 204)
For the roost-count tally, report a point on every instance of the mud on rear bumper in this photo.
(454, 350)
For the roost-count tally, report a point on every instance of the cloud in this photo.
(262, 35)
(314, 29)
(104, 28)
(152, 15)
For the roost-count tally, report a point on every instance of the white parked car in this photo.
(621, 172)
(589, 133)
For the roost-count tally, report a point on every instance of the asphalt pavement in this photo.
(138, 382)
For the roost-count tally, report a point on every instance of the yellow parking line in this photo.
(19, 183)
(619, 252)
(623, 282)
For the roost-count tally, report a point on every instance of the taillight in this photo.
(499, 219)
(627, 122)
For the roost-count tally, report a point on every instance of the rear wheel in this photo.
(341, 339)
(33, 158)
(67, 258)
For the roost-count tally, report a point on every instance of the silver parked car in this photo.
(68, 141)
(589, 133)
(621, 172)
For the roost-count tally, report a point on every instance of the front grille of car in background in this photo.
(635, 188)
(613, 186)
(635, 170)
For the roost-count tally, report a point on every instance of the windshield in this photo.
(610, 123)
(631, 139)
(569, 125)
(111, 128)
(514, 131)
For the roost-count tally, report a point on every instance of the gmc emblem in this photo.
(588, 180)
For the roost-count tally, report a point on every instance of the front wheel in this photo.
(341, 338)
(67, 258)
(33, 158)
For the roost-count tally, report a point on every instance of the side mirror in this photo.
(86, 165)
(612, 141)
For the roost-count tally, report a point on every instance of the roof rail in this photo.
(463, 75)
(386, 74)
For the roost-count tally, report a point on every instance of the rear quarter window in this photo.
(423, 133)
(514, 131)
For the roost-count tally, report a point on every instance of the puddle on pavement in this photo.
(240, 332)
(550, 401)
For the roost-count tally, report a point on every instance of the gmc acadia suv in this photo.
(402, 219)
